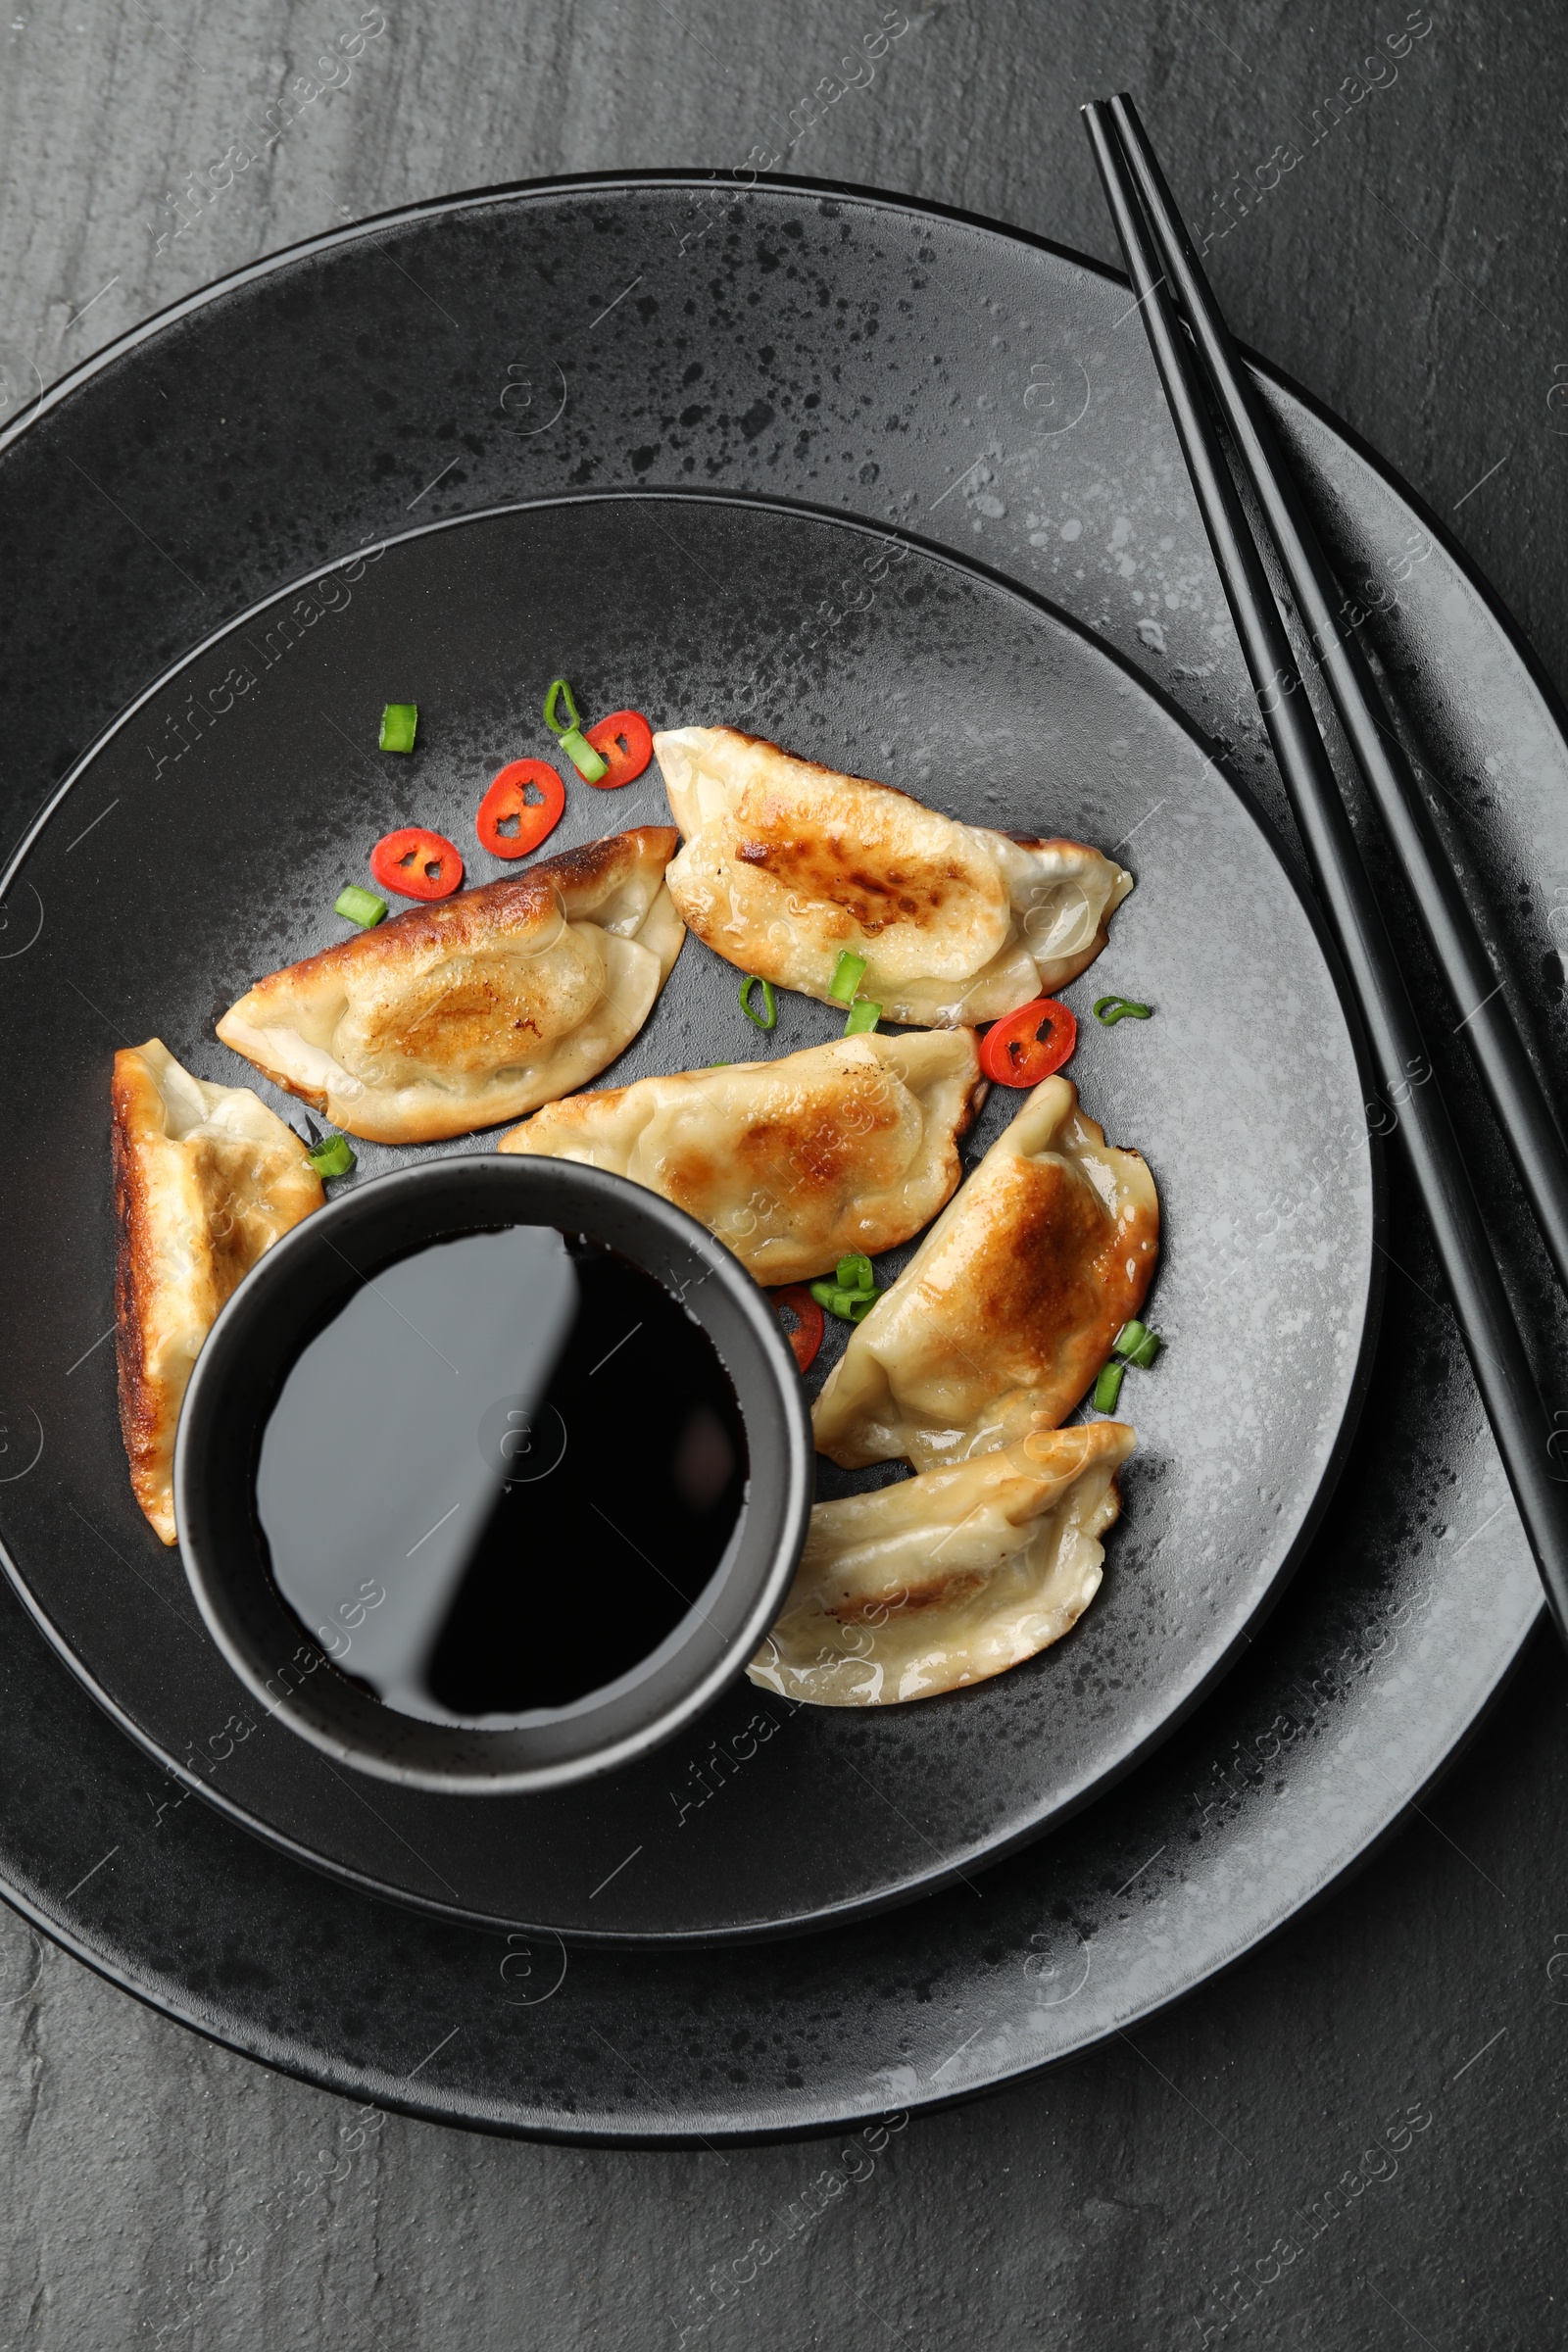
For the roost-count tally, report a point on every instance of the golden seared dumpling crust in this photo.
(206, 1179)
(846, 1147)
(948, 1578)
(786, 865)
(1009, 1307)
(476, 1009)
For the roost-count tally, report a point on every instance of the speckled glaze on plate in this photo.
(946, 682)
(897, 361)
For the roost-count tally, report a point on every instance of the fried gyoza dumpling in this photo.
(947, 1578)
(459, 1014)
(206, 1178)
(1009, 1307)
(793, 1164)
(787, 865)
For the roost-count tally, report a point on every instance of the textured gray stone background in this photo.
(1410, 272)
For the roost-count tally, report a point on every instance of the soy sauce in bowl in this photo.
(499, 1478)
(492, 1475)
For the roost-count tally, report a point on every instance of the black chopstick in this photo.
(1404, 1072)
(1475, 985)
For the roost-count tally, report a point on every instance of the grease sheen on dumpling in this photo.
(948, 1578)
(475, 1009)
(1009, 1307)
(786, 865)
(851, 1145)
(206, 1179)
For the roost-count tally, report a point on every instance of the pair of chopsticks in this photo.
(1165, 272)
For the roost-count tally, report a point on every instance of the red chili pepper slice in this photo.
(625, 742)
(416, 864)
(1029, 1043)
(507, 802)
(806, 1337)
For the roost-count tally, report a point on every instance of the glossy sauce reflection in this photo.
(500, 1476)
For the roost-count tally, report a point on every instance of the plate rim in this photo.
(874, 199)
(258, 2039)
(344, 2081)
(954, 1870)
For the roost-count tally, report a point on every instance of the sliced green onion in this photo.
(559, 691)
(850, 1306)
(1138, 1344)
(769, 1012)
(864, 1015)
(1108, 1388)
(1111, 1009)
(856, 1273)
(584, 759)
(574, 742)
(333, 1158)
(361, 906)
(848, 973)
(398, 723)
(1143, 1354)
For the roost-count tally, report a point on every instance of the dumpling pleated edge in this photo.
(206, 1178)
(947, 1579)
(289, 1024)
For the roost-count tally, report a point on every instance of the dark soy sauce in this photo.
(500, 1476)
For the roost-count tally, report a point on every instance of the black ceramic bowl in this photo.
(313, 1273)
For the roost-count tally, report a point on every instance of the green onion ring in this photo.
(1108, 1388)
(850, 1306)
(333, 1157)
(1111, 1009)
(863, 1017)
(588, 763)
(557, 689)
(1137, 1345)
(361, 906)
(398, 723)
(768, 1015)
(848, 973)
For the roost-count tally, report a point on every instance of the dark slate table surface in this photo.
(1206, 2180)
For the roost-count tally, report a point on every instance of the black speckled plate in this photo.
(240, 797)
(897, 362)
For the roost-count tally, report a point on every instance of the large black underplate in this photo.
(869, 655)
(895, 362)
